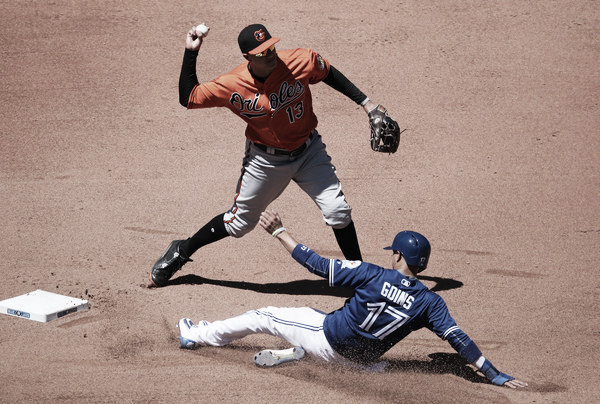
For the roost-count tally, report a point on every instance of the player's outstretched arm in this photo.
(271, 222)
(188, 79)
(470, 352)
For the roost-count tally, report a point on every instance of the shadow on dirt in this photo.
(300, 287)
(441, 363)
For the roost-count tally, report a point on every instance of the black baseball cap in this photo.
(255, 38)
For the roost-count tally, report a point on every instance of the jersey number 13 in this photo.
(296, 112)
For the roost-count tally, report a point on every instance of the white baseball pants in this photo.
(300, 326)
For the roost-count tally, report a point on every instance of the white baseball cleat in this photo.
(271, 357)
(187, 332)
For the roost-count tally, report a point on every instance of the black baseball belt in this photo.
(285, 152)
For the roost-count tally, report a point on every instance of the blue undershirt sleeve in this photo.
(301, 253)
(464, 345)
(311, 260)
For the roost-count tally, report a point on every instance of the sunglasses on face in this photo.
(265, 52)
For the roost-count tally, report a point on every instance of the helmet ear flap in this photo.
(414, 247)
(424, 259)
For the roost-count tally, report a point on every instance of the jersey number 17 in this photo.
(375, 310)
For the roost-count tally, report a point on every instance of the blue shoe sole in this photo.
(185, 343)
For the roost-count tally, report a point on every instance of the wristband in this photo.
(362, 104)
(489, 370)
(496, 377)
(279, 230)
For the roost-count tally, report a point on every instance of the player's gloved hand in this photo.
(498, 378)
(501, 378)
(385, 132)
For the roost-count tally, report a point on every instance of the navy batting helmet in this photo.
(414, 247)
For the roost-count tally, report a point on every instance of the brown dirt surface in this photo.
(100, 168)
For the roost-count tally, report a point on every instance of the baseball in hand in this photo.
(202, 30)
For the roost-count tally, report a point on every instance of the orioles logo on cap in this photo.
(259, 35)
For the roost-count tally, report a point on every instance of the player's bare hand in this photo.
(515, 384)
(270, 221)
(193, 41)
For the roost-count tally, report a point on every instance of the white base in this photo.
(42, 306)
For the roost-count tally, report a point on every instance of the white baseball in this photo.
(202, 29)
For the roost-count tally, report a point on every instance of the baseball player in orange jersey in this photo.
(270, 92)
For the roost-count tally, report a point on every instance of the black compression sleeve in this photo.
(336, 80)
(187, 79)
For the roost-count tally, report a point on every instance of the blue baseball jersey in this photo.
(385, 308)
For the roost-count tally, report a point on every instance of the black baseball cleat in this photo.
(169, 262)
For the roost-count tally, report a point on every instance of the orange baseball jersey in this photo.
(279, 112)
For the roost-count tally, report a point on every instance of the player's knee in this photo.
(238, 226)
(340, 217)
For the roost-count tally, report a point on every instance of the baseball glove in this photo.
(385, 132)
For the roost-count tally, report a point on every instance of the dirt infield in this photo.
(101, 168)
